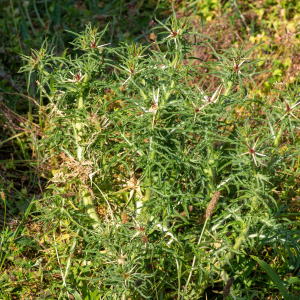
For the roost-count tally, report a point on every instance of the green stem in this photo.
(85, 194)
(152, 149)
(210, 155)
(78, 129)
(194, 259)
(277, 139)
(276, 144)
(41, 121)
(89, 206)
(15, 23)
(37, 14)
(210, 170)
(236, 246)
(70, 256)
(3, 228)
(29, 19)
(149, 177)
(230, 83)
(229, 256)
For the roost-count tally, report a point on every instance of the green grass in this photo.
(160, 166)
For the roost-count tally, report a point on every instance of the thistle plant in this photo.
(137, 135)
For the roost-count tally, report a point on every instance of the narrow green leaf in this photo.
(74, 293)
(274, 277)
(294, 280)
(24, 29)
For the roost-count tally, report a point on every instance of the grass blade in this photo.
(274, 277)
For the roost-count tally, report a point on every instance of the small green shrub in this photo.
(163, 185)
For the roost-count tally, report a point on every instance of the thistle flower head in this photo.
(76, 78)
(253, 152)
(288, 109)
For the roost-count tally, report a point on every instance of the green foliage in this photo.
(136, 137)
(135, 141)
(274, 277)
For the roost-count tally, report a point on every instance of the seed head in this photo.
(212, 204)
(227, 287)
